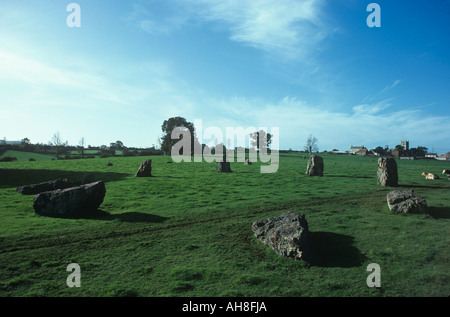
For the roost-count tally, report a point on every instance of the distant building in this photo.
(431, 155)
(373, 153)
(405, 145)
(4, 142)
(338, 152)
(356, 149)
(362, 152)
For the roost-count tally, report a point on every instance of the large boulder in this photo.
(406, 201)
(287, 235)
(145, 170)
(35, 189)
(315, 166)
(71, 201)
(387, 174)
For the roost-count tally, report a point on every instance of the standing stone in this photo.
(35, 189)
(71, 201)
(315, 166)
(406, 201)
(387, 174)
(248, 162)
(287, 235)
(145, 170)
(224, 166)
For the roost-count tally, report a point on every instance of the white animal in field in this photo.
(430, 176)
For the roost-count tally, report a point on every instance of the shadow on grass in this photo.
(21, 177)
(439, 212)
(418, 186)
(349, 176)
(124, 217)
(334, 250)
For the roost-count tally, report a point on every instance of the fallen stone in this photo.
(387, 174)
(406, 201)
(315, 166)
(35, 189)
(145, 170)
(287, 235)
(71, 201)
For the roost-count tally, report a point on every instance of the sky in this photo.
(300, 66)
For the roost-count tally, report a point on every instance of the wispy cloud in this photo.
(291, 28)
(382, 91)
(151, 23)
(366, 125)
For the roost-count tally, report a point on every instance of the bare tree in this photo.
(311, 144)
(57, 142)
(81, 143)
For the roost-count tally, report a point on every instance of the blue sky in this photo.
(306, 67)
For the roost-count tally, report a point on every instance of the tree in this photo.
(57, 142)
(400, 149)
(26, 145)
(311, 144)
(421, 150)
(81, 143)
(261, 140)
(380, 150)
(168, 126)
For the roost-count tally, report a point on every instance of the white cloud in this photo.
(291, 28)
(368, 125)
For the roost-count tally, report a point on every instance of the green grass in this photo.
(187, 231)
(25, 156)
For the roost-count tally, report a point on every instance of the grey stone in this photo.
(71, 201)
(287, 235)
(387, 174)
(315, 166)
(223, 167)
(406, 201)
(44, 187)
(248, 162)
(145, 170)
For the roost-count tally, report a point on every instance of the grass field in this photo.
(187, 231)
(26, 156)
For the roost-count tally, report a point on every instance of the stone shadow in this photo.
(439, 212)
(418, 186)
(21, 177)
(135, 217)
(334, 250)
